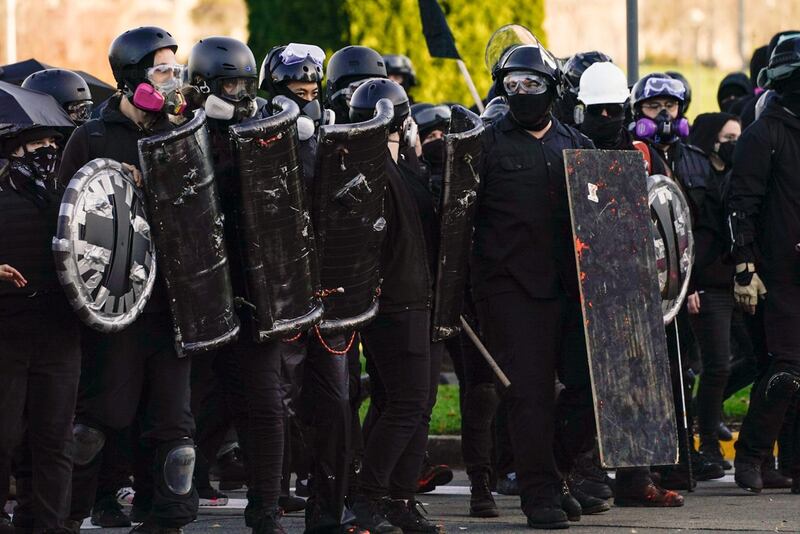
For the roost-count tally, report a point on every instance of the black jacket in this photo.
(523, 234)
(765, 190)
(406, 278)
(28, 227)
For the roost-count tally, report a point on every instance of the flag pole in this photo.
(472, 89)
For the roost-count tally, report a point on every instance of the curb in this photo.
(447, 449)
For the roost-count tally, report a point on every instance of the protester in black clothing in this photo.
(224, 72)
(400, 69)
(40, 349)
(733, 88)
(764, 217)
(524, 279)
(67, 87)
(565, 106)
(710, 299)
(398, 339)
(656, 101)
(604, 94)
(136, 372)
(759, 62)
(347, 69)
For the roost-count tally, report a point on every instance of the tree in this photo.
(394, 27)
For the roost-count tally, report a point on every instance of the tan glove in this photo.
(748, 288)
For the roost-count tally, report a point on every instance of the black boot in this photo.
(291, 503)
(547, 517)
(267, 523)
(406, 515)
(570, 504)
(589, 504)
(107, 513)
(771, 477)
(369, 516)
(481, 502)
(748, 476)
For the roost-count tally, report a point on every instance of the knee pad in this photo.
(176, 460)
(87, 443)
(782, 386)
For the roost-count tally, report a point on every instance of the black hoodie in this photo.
(765, 189)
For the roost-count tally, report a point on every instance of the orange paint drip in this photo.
(580, 246)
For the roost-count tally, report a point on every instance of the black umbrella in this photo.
(21, 108)
(17, 72)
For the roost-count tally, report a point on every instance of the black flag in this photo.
(437, 33)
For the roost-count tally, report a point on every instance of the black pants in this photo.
(529, 338)
(406, 366)
(324, 407)
(136, 376)
(712, 330)
(478, 402)
(40, 362)
(763, 421)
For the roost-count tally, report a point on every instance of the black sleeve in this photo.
(75, 155)
(748, 185)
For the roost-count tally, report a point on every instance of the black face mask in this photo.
(310, 108)
(725, 153)
(605, 132)
(532, 112)
(433, 154)
(43, 162)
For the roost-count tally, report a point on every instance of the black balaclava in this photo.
(605, 132)
(532, 112)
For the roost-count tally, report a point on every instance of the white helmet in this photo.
(603, 83)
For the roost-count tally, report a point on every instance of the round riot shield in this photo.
(104, 256)
(672, 233)
(504, 38)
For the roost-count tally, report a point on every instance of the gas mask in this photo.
(161, 92)
(662, 130)
(224, 110)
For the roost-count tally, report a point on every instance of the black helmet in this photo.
(274, 70)
(62, 84)
(784, 63)
(576, 65)
(429, 118)
(687, 95)
(529, 58)
(366, 96)
(656, 85)
(214, 58)
(129, 49)
(401, 65)
(353, 63)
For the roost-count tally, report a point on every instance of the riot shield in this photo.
(104, 255)
(349, 185)
(187, 228)
(456, 211)
(672, 232)
(621, 304)
(275, 225)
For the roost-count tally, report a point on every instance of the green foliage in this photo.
(276, 22)
(394, 27)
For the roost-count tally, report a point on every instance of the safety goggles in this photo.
(297, 53)
(166, 77)
(236, 89)
(654, 87)
(524, 83)
(432, 115)
(80, 111)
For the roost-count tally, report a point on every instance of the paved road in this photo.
(717, 506)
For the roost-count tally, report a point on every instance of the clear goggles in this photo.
(432, 115)
(166, 77)
(524, 83)
(297, 53)
(662, 87)
(236, 89)
(80, 111)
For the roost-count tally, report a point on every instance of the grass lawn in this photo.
(446, 417)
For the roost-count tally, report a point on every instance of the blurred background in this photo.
(703, 39)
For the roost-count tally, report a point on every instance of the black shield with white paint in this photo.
(274, 228)
(104, 254)
(349, 186)
(456, 212)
